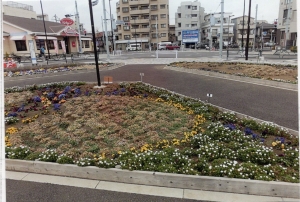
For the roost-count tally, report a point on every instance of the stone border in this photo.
(218, 184)
(237, 78)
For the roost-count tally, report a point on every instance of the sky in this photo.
(267, 9)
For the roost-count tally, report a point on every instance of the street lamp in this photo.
(111, 27)
(94, 39)
(45, 32)
(135, 35)
(228, 36)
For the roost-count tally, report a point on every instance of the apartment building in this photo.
(211, 27)
(287, 23)
(189, 16)
(146, 22)
(240, 30)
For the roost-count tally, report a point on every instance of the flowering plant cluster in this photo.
(50, 155)
(20, 152)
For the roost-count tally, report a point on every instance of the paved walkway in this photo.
(142, 189)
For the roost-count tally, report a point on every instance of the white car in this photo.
(269, 44)
(133, 47)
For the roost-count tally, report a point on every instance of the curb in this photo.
(237, 78)
(218, 184)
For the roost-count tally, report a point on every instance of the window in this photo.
(153, 26)
(86, 44)
(135, 36)
(163, 6)
(285, 13)
(153, 35)
(126, 36)
(163, 34)
(59, 44)
(187, 16)
(194, 25)
(125, 10)
(179, 24)
(194, 15)
(179, 33)
(187, 25)
(125, 1)
(50, 44)
(188, 7)
(39, 43)
(126, 19)
(126, 27)
(163, 15)
(145, 35)
(194, 7)
(153, 7)
(144, 7)
(134, 8)
(145, 26)
(179, 15)
(163, 25)
(154, 17)
(21, 45)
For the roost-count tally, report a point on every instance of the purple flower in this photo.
(37, 99)
(123, 90)
(61, 96)
(230, 126)
(248, 131)
(14, 114)
(56, 106)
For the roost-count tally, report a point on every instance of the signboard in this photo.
(67, 21)
(69, 31)
(264, 33)
(73, 44)
(120, 22)
(32, 52)
(190, 36)
(10, 64)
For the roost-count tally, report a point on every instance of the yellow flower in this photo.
(103, 155)
(119, 152)
(274, 144)
(282, 146)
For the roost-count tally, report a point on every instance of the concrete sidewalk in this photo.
(142, 189)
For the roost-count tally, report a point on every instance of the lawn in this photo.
(141, 127)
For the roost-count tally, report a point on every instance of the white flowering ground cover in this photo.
(140, 127)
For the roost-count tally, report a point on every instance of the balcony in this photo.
(139, 12)
(147, 29)
(240, 26)
(117, 5)
(251, 36)
(139, 21)
(138, 2)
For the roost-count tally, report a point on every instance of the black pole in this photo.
(111, 27)
(248, 31)
(243, 27)
(94, 41)
(45, 32)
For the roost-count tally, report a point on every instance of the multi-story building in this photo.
(240, 30)
(172, 35)
(287, 23)
(189, 16)
(211, 29)
(265, 32)
(146, 22)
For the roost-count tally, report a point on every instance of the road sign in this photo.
(120, 22)
(264, 33)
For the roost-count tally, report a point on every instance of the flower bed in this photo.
(274, 72)
(141, 127)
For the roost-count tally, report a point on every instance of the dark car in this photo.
(202, 46)
(217, 46)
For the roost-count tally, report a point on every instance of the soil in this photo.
(268, 72)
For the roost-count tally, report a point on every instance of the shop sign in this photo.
(67, 21)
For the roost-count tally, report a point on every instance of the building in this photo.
(211, 28)
(140, 18)
(287, 23)
(22, 27)
(265, 32)
(172, 35)
(240, 30)
(189, 16)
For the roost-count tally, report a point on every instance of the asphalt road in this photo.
(266, 103)
(22, 191)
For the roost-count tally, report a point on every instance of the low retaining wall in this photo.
(218, 184)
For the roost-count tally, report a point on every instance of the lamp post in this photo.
(228, 36)
(94, 40)
(248, 32)
(45, 31)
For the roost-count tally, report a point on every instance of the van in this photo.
(133, 47)
(162, 45)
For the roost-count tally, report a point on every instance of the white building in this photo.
(212, 29)
(189, 16)
(287, 23)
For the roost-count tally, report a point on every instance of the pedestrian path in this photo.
(142, 189)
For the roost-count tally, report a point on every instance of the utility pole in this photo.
(156, 36)
(210, 31)
(47, 44)
(248, 31)
(221, 29)
(243, 28)
(78, 27)
(105, 27)
(255, 27)
(111, 27)
(287, 23)
(135, 35)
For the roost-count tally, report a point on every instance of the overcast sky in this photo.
(267, 9)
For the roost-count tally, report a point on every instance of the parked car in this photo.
(133, 47)
(268, 44)
(162, 45)
(202, 46)
(172, 47)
